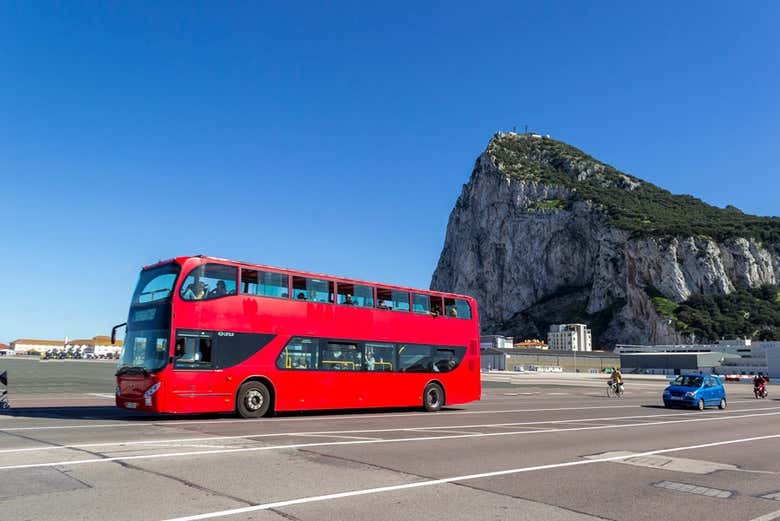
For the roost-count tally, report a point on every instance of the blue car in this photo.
(695, 391)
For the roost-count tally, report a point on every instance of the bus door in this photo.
(379, 384)
(342, 373)
(299, 385)
(197, 384)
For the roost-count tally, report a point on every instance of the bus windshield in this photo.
(147, 350)
(155, 284)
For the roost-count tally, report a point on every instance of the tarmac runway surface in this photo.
(535, 447)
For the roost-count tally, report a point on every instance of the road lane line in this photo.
(320, 417)
(468, 477)
(315, 435)
(645, 417)
(772, 516)
(363, 442)
(428, 431)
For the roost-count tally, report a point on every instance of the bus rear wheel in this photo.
(253, 400)
(433, 397)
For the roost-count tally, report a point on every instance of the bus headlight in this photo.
(149, 392)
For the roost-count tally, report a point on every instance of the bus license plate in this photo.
(131, 405)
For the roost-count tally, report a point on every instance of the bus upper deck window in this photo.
(457, 308)
(209, 281)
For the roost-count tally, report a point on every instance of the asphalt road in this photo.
(552, 448)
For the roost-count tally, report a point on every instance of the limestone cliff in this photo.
(543, 233)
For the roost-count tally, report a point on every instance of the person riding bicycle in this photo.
(616, 379)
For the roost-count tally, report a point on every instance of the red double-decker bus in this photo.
(213, 335)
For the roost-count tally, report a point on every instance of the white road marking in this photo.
(641, 418)
(768, 517)
(364, 442)
(468, 477)
(694, 489)
(336, 436)
(102, 395)
(428, 431)
(319, 418)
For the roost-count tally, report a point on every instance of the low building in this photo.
(672, 363)
(27, 345)
(6, 350)
(570, 337)
(97, 345)
(534, 343)
(740, 356)
(493, 359)
(495, 342)
(773, 361)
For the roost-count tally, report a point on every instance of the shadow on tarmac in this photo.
(110, 412)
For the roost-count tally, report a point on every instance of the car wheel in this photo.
(700, 405)
(433, 397)
(253, 400)
(667, 405)
(722, 404)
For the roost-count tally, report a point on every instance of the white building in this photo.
(744, 355)
(569, 337)
(24, 345)
(496, 342)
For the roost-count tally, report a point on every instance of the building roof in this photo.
(34, 342)
(3, 347)
(95, 341)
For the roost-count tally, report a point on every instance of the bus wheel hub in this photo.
(254, 399)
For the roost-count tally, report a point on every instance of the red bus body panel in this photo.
(201, 391)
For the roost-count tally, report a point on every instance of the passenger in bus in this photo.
(220, 290)
(381, 304)
(453, 312)
(300, 296)
(348, 300)
(195, 291)
(370, 362)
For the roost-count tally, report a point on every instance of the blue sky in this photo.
(337, 138)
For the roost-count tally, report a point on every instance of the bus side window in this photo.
(447, 359)
(299, 353)
(380, 357)
(456, 308)
(421, 303)
(463, 308)
(415, 358)
(209, 281)
(313, 290)
(193, 351)
(337, 356)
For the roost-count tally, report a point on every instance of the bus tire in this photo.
(433, 397)
(253, 400)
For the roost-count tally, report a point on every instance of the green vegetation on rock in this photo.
(547, 204)
(629, 202)
(664, 306)
(750, 313)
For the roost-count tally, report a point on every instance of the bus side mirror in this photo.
(113, 332)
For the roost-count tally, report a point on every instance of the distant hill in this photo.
(544, 233)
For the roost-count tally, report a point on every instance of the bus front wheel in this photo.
(433, 397)
(254, 400)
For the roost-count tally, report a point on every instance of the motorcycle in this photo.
(759, 391)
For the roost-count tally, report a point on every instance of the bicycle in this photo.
(614, 390)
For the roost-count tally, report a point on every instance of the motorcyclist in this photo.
(616, 379)
(759, 383)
